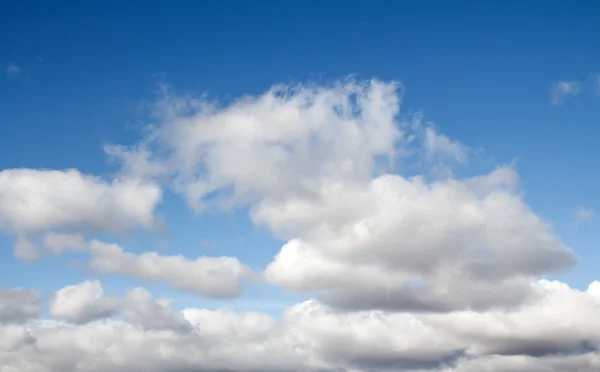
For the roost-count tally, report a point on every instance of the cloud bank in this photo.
(560, 331)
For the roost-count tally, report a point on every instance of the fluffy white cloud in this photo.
(557, 332)
(408, 245)
(85, 302)
(33, 200)
(216, 277)
(286, 142)
(18, 305)
(306, 160)
(409, 273)
(139, 308)
(562, 89)
(82, 303)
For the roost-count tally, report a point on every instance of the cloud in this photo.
(13, 70)
(82, 303)
(271, 146)
(544, 335)
(407, 245)
(584, 214)
(18, 305)
(215, 277)
(305, 160)
(561, 90)
(35, 201)
(85, 302)
(139, 308)
(407, 272)
(440, 145)
(57, 243)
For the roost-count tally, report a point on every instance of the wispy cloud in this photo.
(563, 89)
(13, 70)
(584, 214)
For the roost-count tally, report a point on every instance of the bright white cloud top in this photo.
(428, 272)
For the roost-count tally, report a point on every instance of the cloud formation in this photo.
(305, 159)
(427, 272)
(563, 89)
(558, 332)
(215, 277)
(34, 201)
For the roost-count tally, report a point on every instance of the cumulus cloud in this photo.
(34, 201)
(284, 143)
(215, 277)
(82, 303)
(409, 245)
(562, 89)
(85, 302)
(305, 160)
(557, 332)
(408, 272)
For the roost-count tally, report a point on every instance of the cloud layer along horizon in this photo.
(409, 266)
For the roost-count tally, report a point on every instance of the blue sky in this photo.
(304, 186)
(78, 76)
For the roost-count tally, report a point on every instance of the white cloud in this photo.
(36, 201)
(216, 277)
(82, 303)
(56, 243)
(304, 160)
(139, 308)
(284, 143)
(561, 90)
(557, 332)
(409, 273)
(408, 245)
(85, 302)
(13, 70)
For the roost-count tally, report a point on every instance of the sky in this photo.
(299, 186)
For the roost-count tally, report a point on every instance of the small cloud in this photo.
(13, 70)
(584, 214)
(441, 145)
(562, 89)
